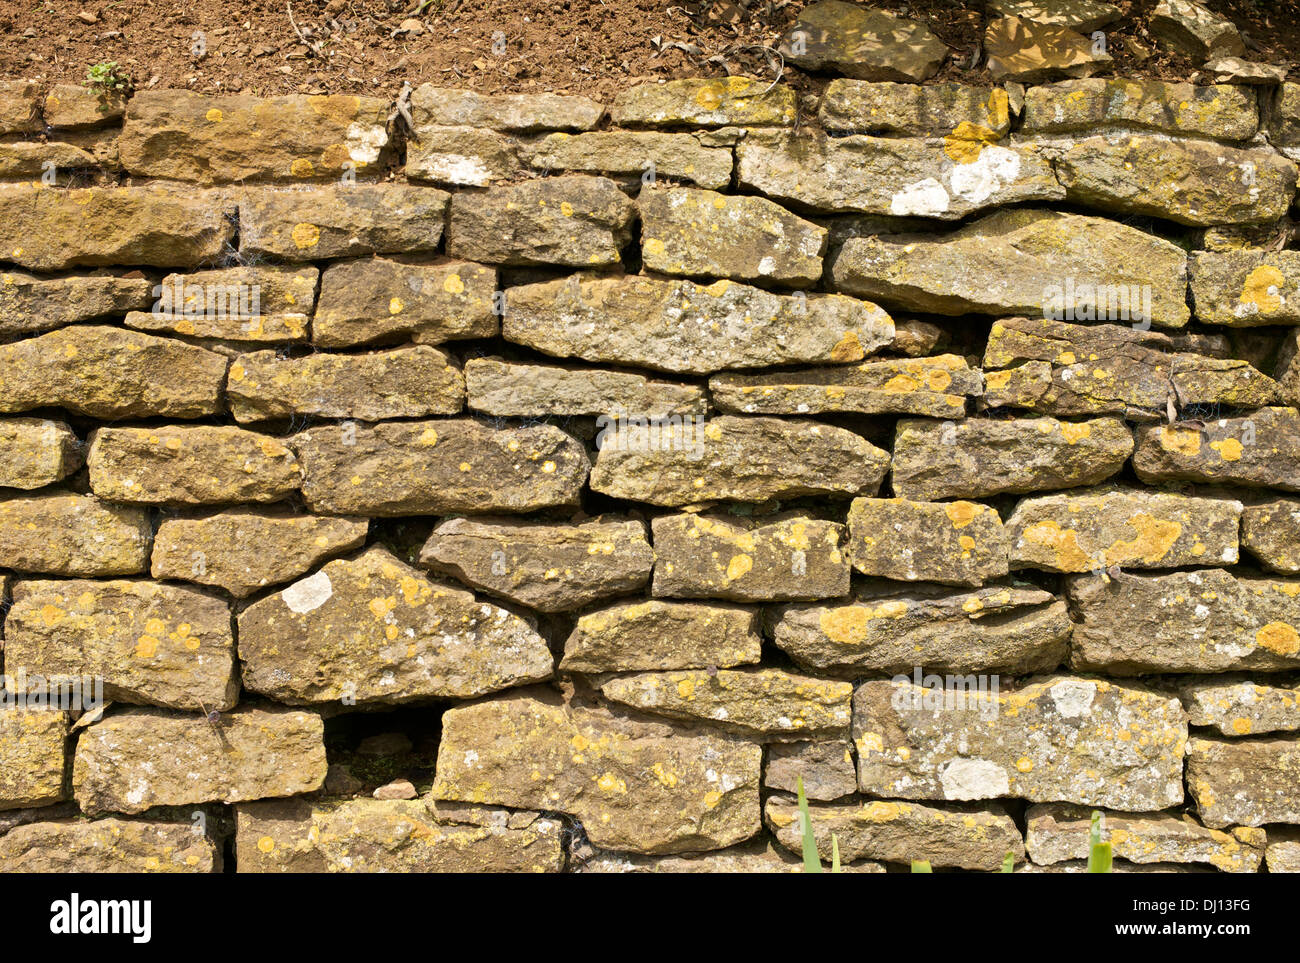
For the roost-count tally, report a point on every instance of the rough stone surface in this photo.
(749, 559)
(1084, 16)
(978, 457)
(182, 135)
(939, 110)
(1008, 263)
(635, 154)
(736, 459)
(190, 465)
(1270, 531)
(108, 846)
(31, 757)
(508, 389)
(110, 373)
(151, 644)
(1195, 31)
(392, 836)
(1261, 449)
(44, 229)
(551, 567)
(1058, 833)
(1223, 111)
(746, 858)
(1246, 288)
(1021, 49)
(826, 768)
(61, 534)
(656, 635)
(706, 234)
(228, 549)
(663, 789)
(1054, 738)
(412, 382)
(1240, 708)
(945, 179)
(135, 759)
(898, 832)
(462, 156)
(935, 387)
(374, 630)
(264, 303)
(1244, 783)
(742, 101)
(1202, 621)
(38, 452)
(431, 104)
(687, 328)
(576, 221)
(438, 467)
(856, 41)
(30, 304)
(19, 107)
(334, 221)
(367, 301)
(885, 628)
(763, 704)
(1089, 531)
(1283, 856)
(955, 543)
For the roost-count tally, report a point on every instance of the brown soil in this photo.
(581, 46)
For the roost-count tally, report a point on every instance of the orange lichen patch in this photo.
(962, 514)
(966, 142)
(997, 380)
(1229, 449)
(1262, 287)
(1155, 537)
(900, 384)
(1183, 441)
(1279, 638)
(739, 566)
(1063, 542)
(848, 625)
(848, 348)
(305, 235)
(1074, 433)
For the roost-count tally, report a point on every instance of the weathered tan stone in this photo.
(190, 465)
(1245, 782)
(31, 159)
(687, 328)
(229, 549)
(60, 534)
(108, 846)
(463, 156)
(1246, 288)
(1185, 181)
(861, 42)
(135, 759)
(187, 136)
(656, 635)
(945, 179)
(152, 644)
(888, 629)
(511, 390)
(73, 107)
(1059, 832)
(393, 836)
(955, 543)
(1118, 866)
(1240, 708)
(1201, 621)
(1260, 449)
(374, 630)
(438, 467)
(938, 110)
(774, 558)
(1092, 530)
(431, 104)
(263, 303)
(1281, 115)
(707, 234)
(38, 452)
(899, 832)
(625, 154)
(755, 857)
(1282, 856)
(979, 457)
(1194, 31)
(20, 111)
(110, 373)
(31, 304)
(1020, 49)
(826, 769)
(412, 382)
(1053, 738)
(1008, 263)
(1013, 340)
(1270, 531)
(742, 101)
(664, 789)
(736, 459)
(550, 567)
(47, 229)
(338, 221)
(765, 704)
(576, 221)
(936, 387)
(1222, 111)
(1084, 16)
(368, 301)
(31, 754)
(1235, 70)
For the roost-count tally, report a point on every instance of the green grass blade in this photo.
(811, 862)
(835, 853)
(1009, 863)
(921, 866)
(1099, 854)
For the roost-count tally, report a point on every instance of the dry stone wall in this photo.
(552, 485)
